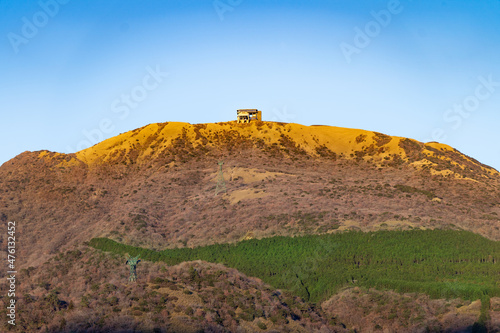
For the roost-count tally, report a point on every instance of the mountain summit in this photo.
(286, 140)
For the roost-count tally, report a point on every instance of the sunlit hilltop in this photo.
(150, 142)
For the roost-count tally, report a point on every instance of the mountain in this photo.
(155, 187)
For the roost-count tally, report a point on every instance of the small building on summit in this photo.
(244, 116)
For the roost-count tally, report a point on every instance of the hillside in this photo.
(155, 187)
(456, 284)
(86, 291)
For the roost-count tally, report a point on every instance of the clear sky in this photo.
(75, 72)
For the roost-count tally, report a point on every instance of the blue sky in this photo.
(73, 72)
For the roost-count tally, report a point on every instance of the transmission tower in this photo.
(132, 262)
(221, 184)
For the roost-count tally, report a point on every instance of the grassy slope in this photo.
(441, 263)
(150, 141)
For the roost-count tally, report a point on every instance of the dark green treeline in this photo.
(441, 263)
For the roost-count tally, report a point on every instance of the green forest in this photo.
(440, 263)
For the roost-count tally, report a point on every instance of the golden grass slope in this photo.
(148, 142)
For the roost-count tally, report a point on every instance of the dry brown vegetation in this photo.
(386, 311)
(87, 291)
(168, 201)
(155, 186)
